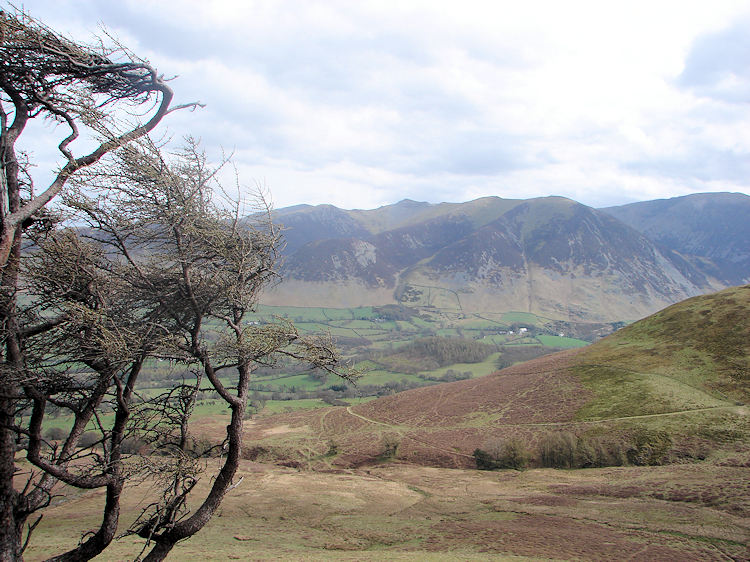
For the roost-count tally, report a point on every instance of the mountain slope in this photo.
(550, 256)
(711, 229)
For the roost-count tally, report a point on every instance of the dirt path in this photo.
(349, 409)
(740, 410)
(405, 436)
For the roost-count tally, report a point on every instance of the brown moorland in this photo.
(397, 511)
(680, 375)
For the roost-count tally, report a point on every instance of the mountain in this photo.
(677, 382)
(550, 256)
(712, 230)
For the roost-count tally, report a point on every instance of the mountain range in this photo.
(550, 256)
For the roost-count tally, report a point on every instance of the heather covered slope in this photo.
(682, 372)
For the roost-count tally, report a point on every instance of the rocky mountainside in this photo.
(710, 229)
(550, 256)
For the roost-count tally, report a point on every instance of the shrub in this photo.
(566, 450)
(132, 445)
(55, 433)
(605, 452)
(88, 439)
(502, 453)
(390, 445)
(333, 448)
(558, 450)
(649, 447)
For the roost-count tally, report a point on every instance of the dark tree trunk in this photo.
(10, 525)
(100, 540)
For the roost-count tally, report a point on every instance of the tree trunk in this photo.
(159, 552)
(10, 526)
(12, 519)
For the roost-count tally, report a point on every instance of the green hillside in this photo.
(695, 354)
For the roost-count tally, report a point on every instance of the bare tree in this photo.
(45, 75)
(162, 270)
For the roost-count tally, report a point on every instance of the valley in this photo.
(504, 336)
(636, 445)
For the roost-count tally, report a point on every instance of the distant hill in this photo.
(550, 256)
(712, 230)
(680, 377)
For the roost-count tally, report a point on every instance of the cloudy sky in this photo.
(362, 104)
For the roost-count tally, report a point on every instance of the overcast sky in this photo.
(362, 104)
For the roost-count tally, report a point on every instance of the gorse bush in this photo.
(649, 447)
(502, 453)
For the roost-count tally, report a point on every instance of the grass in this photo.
(520, 318)
(401, 512)
(561, 342)
(622, 393)
(278, 406)
(476, 369)
(703, 342)
(690, 357)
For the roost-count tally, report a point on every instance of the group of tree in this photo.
(426, 354)
(641, 446)
(125, 255)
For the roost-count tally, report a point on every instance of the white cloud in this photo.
(365, 103)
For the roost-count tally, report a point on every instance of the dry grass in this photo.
(397, 511)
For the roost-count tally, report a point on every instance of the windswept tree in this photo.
(84, 90)
(160, 271)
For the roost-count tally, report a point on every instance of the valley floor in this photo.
(398, 511)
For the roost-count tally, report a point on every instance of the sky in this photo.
(361, 104)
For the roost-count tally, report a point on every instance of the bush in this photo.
(88, 439)
(55, 433)
(649, 447)
(390, 445)
(502, 453)
(132, 445)
(566, 450)
(558, 450)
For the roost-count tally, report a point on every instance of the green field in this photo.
(363, 335)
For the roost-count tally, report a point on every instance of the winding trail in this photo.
(406, 436)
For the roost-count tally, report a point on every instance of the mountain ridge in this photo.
(550, 256)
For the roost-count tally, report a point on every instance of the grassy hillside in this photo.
(693, 354)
